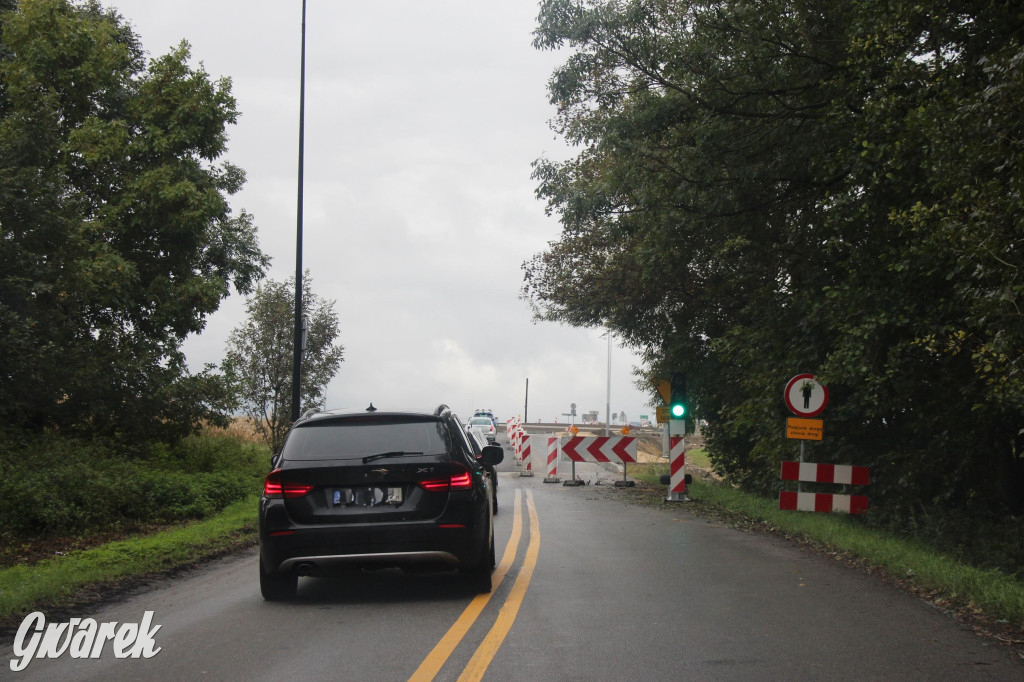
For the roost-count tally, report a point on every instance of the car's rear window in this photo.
(350, 439)
(480, 421)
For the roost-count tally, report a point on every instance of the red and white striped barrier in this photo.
(514, 438)
(525, 454)
(840, 474)
(677, 460)
(823, 502)
(825, 473)
(552, 467)
(601, 449)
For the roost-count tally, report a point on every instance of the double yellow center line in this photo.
(488, 648)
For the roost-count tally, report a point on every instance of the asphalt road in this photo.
(588, 588)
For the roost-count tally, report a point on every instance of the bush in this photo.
(51, 485)
(976, 537)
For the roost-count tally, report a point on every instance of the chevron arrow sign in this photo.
(601, 449)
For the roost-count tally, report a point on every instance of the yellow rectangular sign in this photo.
(663, 415)
(804, 429)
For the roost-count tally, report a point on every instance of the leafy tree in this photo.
(763, 188)
(116, 238)
(259, 356)
(934, 190)
(690, 214)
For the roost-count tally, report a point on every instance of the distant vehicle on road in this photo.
(376, 489)
(486, 427)
(487, 413)
(478, 443)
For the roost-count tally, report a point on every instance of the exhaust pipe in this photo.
(305, 568)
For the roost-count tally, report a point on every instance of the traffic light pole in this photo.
(665, 449)
(608, 395)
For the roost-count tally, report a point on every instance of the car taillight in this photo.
(273, 487)
(460, 479)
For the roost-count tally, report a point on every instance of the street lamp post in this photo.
(526, 403)
(297, 345)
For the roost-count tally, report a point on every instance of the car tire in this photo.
(278, 587)
(479, 576)
(493, 556)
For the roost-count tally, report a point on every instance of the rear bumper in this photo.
(322, 549)
(314, 565)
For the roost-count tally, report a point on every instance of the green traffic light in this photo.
(677, 388)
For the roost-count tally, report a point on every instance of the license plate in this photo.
(365, 496)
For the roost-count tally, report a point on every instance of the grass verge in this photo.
(83, 577)
(945, 582)
(696, 458)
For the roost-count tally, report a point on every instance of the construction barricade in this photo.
(601, 449)
(554, 450)
(676, 462)
(840, 474)
(526, 454)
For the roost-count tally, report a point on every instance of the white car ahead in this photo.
(486, 428)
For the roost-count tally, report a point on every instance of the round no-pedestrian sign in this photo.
(805, 397)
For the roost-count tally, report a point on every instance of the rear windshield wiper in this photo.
(393, 453)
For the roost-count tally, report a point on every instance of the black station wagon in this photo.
(371, 488)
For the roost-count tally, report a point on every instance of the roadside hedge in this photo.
(54, 486)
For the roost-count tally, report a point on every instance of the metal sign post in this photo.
(805, 397)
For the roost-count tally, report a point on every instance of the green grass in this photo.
(697, 458)
(58, 582)
(948, 580)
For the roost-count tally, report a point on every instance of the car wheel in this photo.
(278, 587)
(495, 502)
(479, 576)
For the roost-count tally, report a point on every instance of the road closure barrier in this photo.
(676, 462)
(546, 450)
(840, 474)
(514, 430)
(603, 449)
(822, 502)
(553, 450)
(825, 473)
(526, 452)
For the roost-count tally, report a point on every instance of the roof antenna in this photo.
(371, 408)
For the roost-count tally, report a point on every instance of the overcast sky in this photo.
(422, 120)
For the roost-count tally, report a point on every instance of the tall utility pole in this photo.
(297, 355)
(526, 405)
